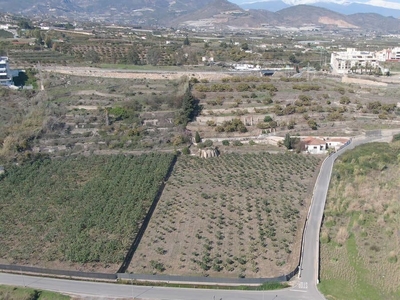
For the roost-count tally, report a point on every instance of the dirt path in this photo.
(129, 74)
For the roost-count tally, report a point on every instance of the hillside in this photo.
(307, 14)
(360, 236)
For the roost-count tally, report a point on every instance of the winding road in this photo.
(306, 283)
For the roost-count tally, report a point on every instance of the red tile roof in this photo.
(315, 141)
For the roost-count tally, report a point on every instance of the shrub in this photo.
(291, 124)
(392, 257)
(268, 119)
(235, 125)
(267, 100)
(237, 143)
(243, 87)
(267, 86)
(157, 265)
(211, 123)
(312, 124)
(186, 151)
(344, 100)
(197, 137)
(221, 88)
(208, 143)
(341, 90)
(220, 100)
(225, 142)
(396, 138)
(306, 87)
(325, 238)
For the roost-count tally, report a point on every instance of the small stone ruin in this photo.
(209, 152)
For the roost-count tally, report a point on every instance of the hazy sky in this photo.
(395, 4)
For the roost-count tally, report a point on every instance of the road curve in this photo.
(305, 288)
(309, 265)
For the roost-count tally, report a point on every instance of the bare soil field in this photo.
(152, 75)
(238, 215)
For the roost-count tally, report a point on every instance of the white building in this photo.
(393, 54)
(344, 62)
(246, 67)
(336, 143)
(316, 146)
(321, 145)
(6, 78)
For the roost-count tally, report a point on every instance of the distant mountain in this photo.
(346, 8)
(303, 14)
(307, 14)
(375, 21)
(222, 13)
(210, 14)
(354, 8)
(273, 6)
(145, 12)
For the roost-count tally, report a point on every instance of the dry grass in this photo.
(342, 235)
(236, 215)
(362, 261)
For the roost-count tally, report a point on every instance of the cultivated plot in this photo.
(235, 215)
(77, 212)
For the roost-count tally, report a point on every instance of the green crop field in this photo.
(77, 209)
(360, 235)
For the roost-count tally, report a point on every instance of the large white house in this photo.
(344, 62)
(6, 75)
(321, 145)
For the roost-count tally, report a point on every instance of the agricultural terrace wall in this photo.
(260, 139)
(145, 277)
(213, 111)
(206, 280)
(248, 120)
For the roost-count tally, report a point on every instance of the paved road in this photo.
(109, 290)
(305, 287)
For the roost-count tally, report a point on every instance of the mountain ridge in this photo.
(210, 14)
(346, 8)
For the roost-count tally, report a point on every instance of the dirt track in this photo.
(127, 74)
